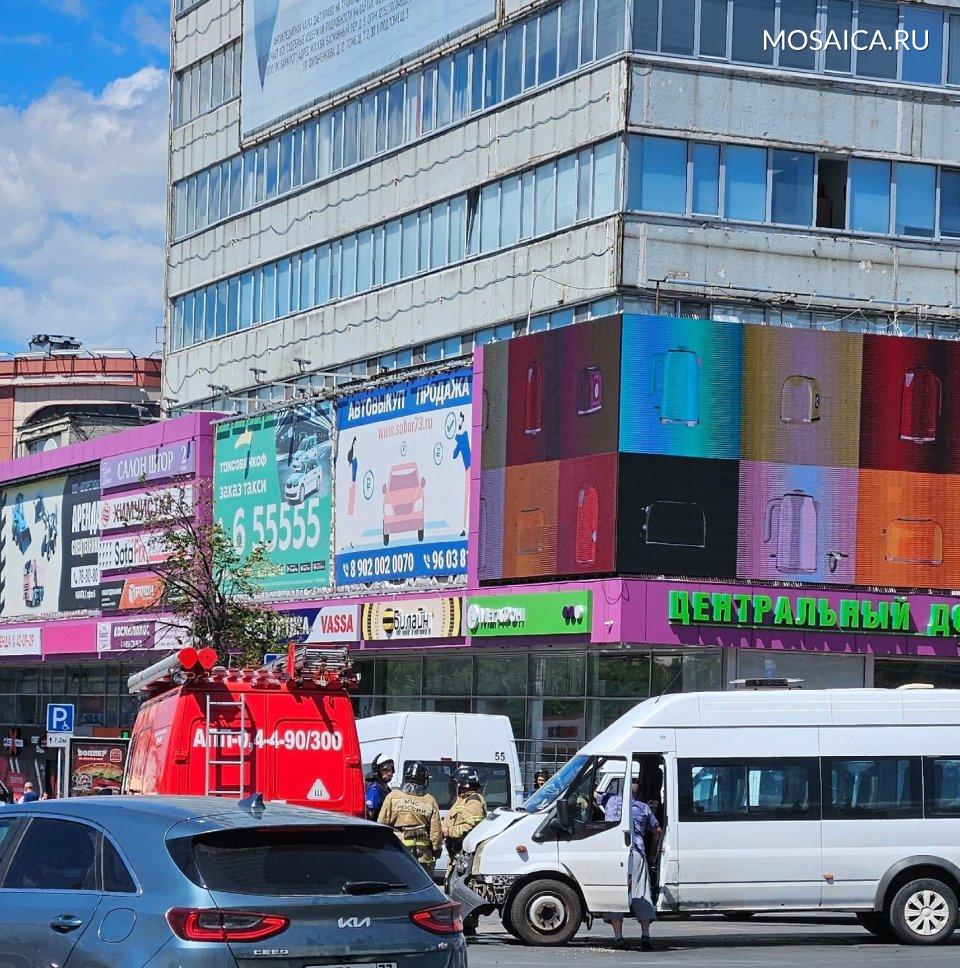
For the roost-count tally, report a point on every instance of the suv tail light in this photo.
(198, 924)
(443, 919)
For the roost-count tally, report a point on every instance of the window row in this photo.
(207, 84)
(808, 35)
(786, 187)
(528, 55)
(553, 196)
(831, 788)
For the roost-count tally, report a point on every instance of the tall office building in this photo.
(358, 187)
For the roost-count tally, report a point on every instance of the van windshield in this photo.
(555, 785)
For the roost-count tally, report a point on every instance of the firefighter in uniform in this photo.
(415, 816)
(467, 811)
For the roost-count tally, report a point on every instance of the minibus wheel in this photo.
(923, 911)
(545, 912)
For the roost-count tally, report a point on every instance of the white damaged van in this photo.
(769, 800)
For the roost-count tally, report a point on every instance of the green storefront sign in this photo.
(272, 487)
(745, 610)
(546, 613)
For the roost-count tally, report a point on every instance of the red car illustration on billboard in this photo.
(403, 501)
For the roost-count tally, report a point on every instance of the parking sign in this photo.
(60, 717)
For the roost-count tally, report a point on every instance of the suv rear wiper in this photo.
(371, 887)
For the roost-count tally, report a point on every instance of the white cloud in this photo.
(143, 26)
(82, 205)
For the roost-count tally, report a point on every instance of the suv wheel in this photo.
(546, 913)
(923, 911)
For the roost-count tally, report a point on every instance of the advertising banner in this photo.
(272, 477)
(19, 642)
(133, 551)
(96, 765)
(152, 507)
(335, 623)
(133, 593)
(545, 613)
(299, 52)
(148, 466)
(421, 618)
(48, 545)
(161, 633)
(402, 480)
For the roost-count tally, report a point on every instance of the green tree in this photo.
(209, 587)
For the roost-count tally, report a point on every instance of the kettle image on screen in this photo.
(913, 541)
(791, 526)
(675, 383)
(676, 523)
(800, 400)
(921, 403)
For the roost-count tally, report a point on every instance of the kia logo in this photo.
(353, 923)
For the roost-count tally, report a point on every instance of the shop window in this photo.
(699, 671)
(602, 713)
(558, 675)
(447, 677)
(533, 399)
(514, 709)
(616, 676)
(587, 522)
(832, 193)
(869, 195)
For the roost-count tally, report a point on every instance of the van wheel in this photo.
(875, 923)
(923, 911)
(508, 924)
(546, 913)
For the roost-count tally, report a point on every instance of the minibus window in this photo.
(768, 789)
(586, 799)
(878, 787)
(942, 786)
(555, 785)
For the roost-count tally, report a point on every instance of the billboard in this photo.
(146, 507)
(272, 487)
(415, 618)
(748, 452)
(96, 766)
(298, 52)
(148, 466)
(403, 480)
(49, 545)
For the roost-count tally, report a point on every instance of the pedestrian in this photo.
(378, 784)
(643, 823)
(415, 816)
(29, 795)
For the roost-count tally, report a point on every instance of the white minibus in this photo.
(769, 800)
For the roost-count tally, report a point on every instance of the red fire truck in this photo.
(286, 730)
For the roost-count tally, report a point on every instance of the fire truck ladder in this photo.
(219, 741)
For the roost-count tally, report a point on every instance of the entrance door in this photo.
(749, 819)
(595, 850)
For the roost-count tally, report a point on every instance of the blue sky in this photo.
(83, 128)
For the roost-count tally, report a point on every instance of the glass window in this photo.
(399, 677)
(116, 876)
(953, 54)
(569, 35)
(410, 247)
(438, 236)
(942, 786)
(236, 184)
(368, 126)
(233, 307)
(916, 199)
(661, 184)
(678, 24)
(510, 211)
(869, 195)
(246, 300)
(457, 211)
(840, 22)
(428, 104)
(615, 676)
(364, 261)
(584, 176)
(610, 23)
(529, 53)
(526, 204)
(605, 157)
(588, 16)
(547, 57)
(391, 262)
(444, 92)
(745, 186)
(950, 202)
(729, 790)
(923, 66)
(216, 82)
(323, 274)
(646, 18)
(792, 187)
(501, 675)
(490, 217)
(545, 199)
(209, 312)
(861, 788)
(750, 19)
(566, 191)
(883, 18)
(798, 15)
(283, 287)
(348, 265)
(413, 107)
(381, 145)
(447, 677)
(273, 160)
(493, 78)
(557, 675)
(713, 28)
(461, 85)
(269, 303)
(706, 179)
(55, 855)
(425, 240)
(205, 78)
(351, 133)
(395, 115)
